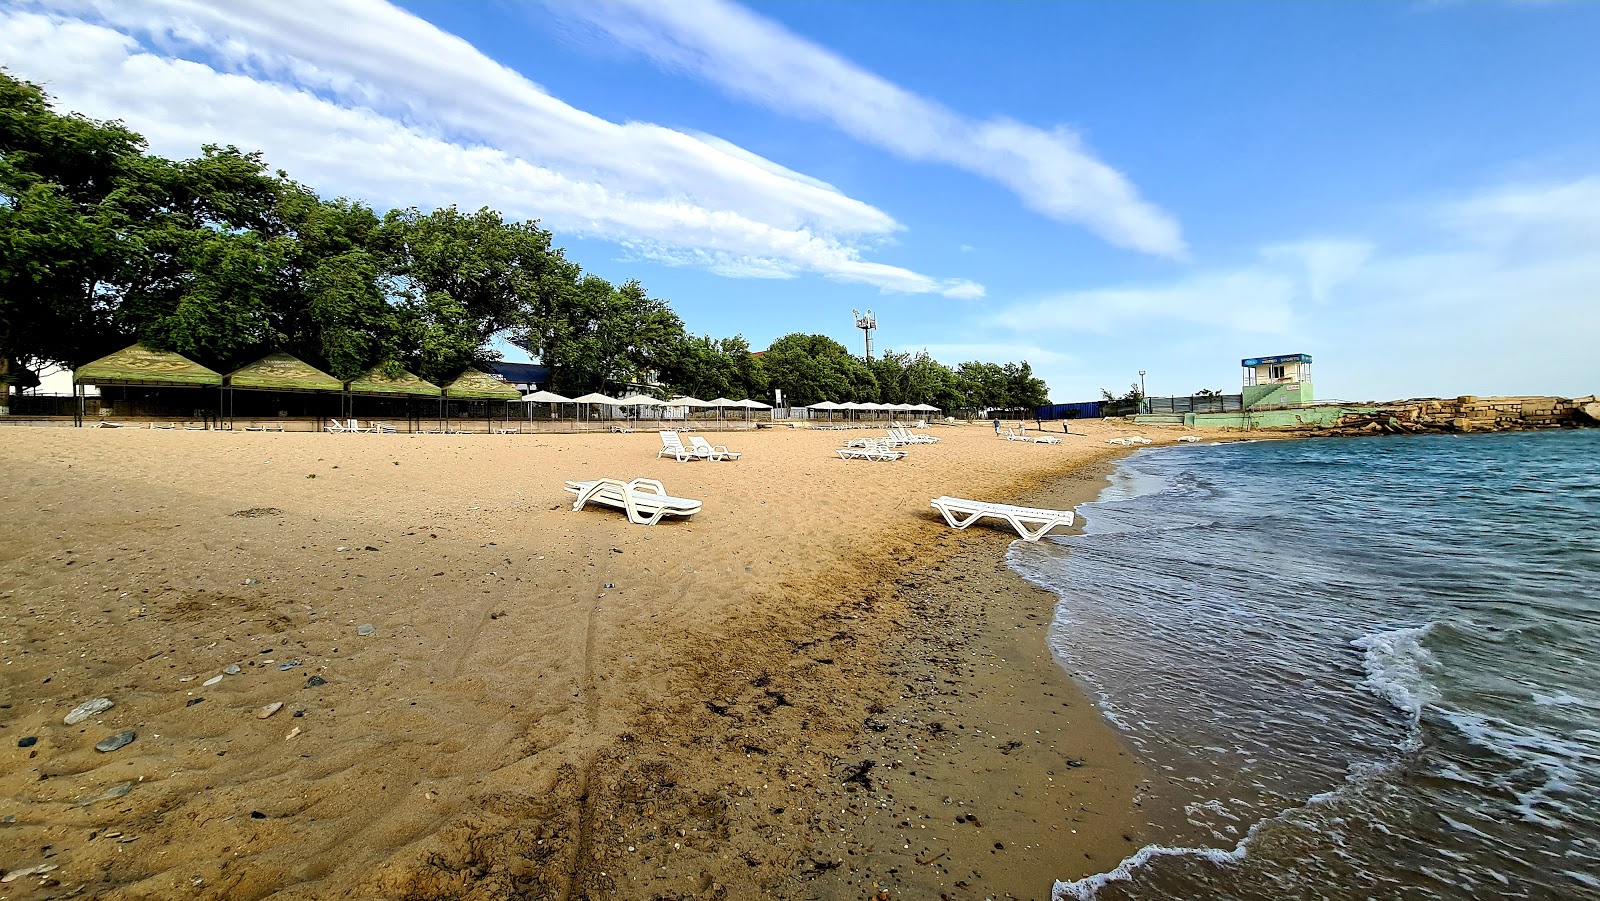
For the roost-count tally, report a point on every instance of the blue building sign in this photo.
(1275, 361)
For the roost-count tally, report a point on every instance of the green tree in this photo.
(814, 368)
(456, 280)
(66, 182)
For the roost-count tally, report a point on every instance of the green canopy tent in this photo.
(476, 385)
(279, 373)
(138, 366)
(405, 385)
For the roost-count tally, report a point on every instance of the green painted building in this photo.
(1281, 381)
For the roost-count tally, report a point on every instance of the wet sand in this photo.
(781, 697)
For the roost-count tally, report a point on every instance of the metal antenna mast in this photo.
(866, 322)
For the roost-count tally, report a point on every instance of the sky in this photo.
(1409, 192)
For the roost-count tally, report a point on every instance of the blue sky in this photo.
(1410, 192)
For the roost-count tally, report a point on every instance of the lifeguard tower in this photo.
(1281, 381)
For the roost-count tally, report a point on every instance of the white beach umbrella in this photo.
(639, 400)
(595, 398)
(689, 402)
(722, 403)
(546, 397)
(754, 404)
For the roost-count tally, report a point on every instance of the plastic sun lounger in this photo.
(1046, 439)
(644, 500)
(905, 437)
(869, 453)
(622, 430)
(960, 513)
(1190, 439)
(1011, 435)
(712, 451)
(672, 444)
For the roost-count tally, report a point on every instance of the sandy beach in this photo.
(812, 689)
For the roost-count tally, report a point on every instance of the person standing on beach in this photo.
(997, 427)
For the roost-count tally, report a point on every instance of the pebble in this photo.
(314, 681)
(365, 629)
(193, 701)
(232, 669)
(292, 733)
(87, 709)
(111, 743)
(251, 582)
(212, 681)
(284, 667)
(27, 741)
(269, 710)
(37, 870)
(119, 790)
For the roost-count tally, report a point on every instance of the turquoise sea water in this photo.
(1360, 668)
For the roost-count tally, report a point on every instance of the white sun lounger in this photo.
(712, 451)
(1189, 439)
(904, 437)
(960, 513)
(644, 500)
(672, 445)
(870, 452)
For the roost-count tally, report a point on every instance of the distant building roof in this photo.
(520, 373)
(1275, 361)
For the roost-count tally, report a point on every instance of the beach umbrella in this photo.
(595, 398)
(689, 403)
(546, 397)
(722, 403)
(639, 400)
(749, 404)
(828, 405)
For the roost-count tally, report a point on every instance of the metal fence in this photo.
(1196, 403)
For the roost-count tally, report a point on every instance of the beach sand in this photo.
(812, 689)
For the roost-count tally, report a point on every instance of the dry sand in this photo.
(812, 689)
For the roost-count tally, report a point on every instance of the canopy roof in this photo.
(475, 384)
(928, 408)
(282, 372)
(546, 397)
(376, 381)
(754, 404)
(825, 405)
(724, 402)
(139, 365)
(595, 398)
(639, 400)
(689, 402)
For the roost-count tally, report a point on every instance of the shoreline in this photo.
(553, 704)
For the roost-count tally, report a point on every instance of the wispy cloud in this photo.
(755, 58)
(362, 98)
(1494, 293)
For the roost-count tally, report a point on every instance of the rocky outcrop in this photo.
(1468, 414)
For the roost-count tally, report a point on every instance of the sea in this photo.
(1357, 668)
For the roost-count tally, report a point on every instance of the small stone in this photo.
(119, 790)
(27, 741)
(365, 629)
(193, 701)
(212, 681)
(341, 548)
(269, 710)
(300, 712)
(232, 669)
(292, 733)
(36, 870)
(314, 681)
(252, 582)
(285, 667)
(611, 585)
(616, 550)
(87, 709)
(370, 548)
(111, 743)
(257, 815)
(1074, 762)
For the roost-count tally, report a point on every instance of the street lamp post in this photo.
(1142, 397)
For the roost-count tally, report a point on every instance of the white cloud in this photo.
(756, 58)
(1498, 296)
(360, 98)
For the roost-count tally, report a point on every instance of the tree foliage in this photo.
(222, 260)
